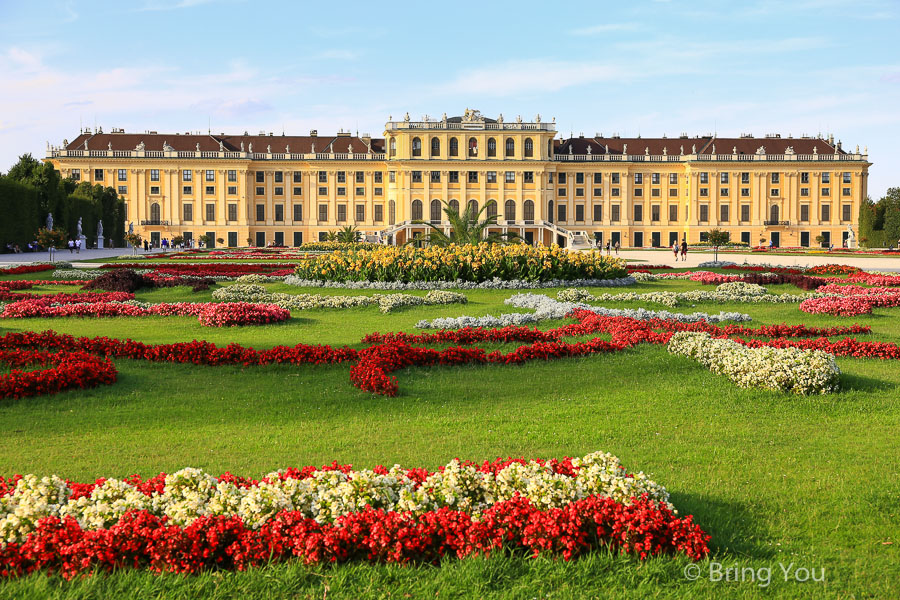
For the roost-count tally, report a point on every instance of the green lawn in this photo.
(773, 478)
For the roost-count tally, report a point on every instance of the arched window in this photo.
(492, 147)
(416, 147)
(491, 209)
(435, 210)
(550, 211)
(416, 210)
(509, 210)
(529, 210)
(154, 212)
(472, 209)
(773, 213)
(529, 147)
(454, 205)
(435, 147)
(392, 213)
(393, 147)
(510, 147)
(473, 147)
(454, 147)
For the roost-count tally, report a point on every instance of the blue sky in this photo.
(649, 68)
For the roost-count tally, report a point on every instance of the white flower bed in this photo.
(735, 291)
(191, 493)
(548, 308)
(783, 369)
(77, 273)
(494, 284)
(243, 292)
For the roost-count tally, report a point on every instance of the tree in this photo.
(891, 203)
(177, 240)
(718, 237)
(52, 239)
(468, 228)
(331, 236)
(348, 234)
(135, 240)
(220, 240)
(205, 239)
(820, 239)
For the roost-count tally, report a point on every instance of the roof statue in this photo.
(665, 151)
(518, 118)
(693, 148)
(470, 115)
(570, 148)
(109, 146)
(714, 149)
(606, 148)
(406, 118)
(198, 146)
(646, 150)
(761, 150)
(444, 118)
(65, 142)
(624, 148)
(269, 149)
(221, 146)
(789, 150)
(815, 149)
(500, 118)
(349, 148)
(313, 150)
(857, 148)
(250, 148)
(537, 119)
(85, 144)
(734, 150)
(287, 149)
(167, 147)
(588, 149)
(140, 147)
(242, 145)
(682, 150)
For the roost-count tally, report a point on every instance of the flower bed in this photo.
(851, 300)
(212, 270)
(784, 369)
(467, 263)
(21, 270)
(493, 284)
(832, 270)
(735, 291)
(68, 370)
(190, 521)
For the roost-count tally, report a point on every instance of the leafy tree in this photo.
(177, 240)
(891, 203)
(205, 239)
(718, 237)
(135, 240)
(52, 238)
(468, 228)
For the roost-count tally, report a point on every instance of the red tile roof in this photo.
(231, 143)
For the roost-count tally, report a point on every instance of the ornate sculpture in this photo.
(221, 146)
(518, 118)
(406, 117)
(65, 142)
(242, 145)
(444, 118)
(714, 149)
(500, 118)
(269, 149)
(131, 227)
(250, 148)
(646, 150)
(287, 149)
(109, 146)
(537, 119)
(789, 150)
(761, 150)
(198, 146)
(625, 149)
(570, 148)
(100, 228)
(734, 150)
(815, 149)
(665, 151)
(682, 150)
(693, 148)
(313, 149)
(588, 149)
(49, 221)
(349, 148)
(79, 227)
(140, 147)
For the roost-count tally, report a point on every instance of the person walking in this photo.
(617, 248)
(71, 246)
(675, 249)
(78, 246)
(607, 247)
(683, 249)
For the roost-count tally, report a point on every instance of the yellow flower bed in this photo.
(466, 262)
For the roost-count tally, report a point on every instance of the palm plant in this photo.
(466, 228)
(348, 234)
(331, 236)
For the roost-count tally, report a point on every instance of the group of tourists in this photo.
(682, 247)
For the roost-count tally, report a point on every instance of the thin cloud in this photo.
(605, 28)
(517, 77)
(156, 5)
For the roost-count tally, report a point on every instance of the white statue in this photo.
(625, 149)
(242, 145)
(349, 148)
(761, 150)
(131, 227)
(789, 150)
(734, 150)
(588, 149)
(49, 221)
(693, 148)
(221, 146)
(86, 144)
(714, 149)
(269, 149)
(140, 147)
(646, 150)
(665, 151)
(250, 148)
(815, 149)
(313, 149)
(519, 119)
(570, 148)
(100, 228)
(537, 119)
(79, 227)
(682, 150)
(500, 118)
(109, 146)
(198, 146)
(851, 236)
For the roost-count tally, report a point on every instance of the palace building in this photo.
(640, 192)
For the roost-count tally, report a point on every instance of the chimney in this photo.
(313, 133)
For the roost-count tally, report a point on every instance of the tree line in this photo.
(879, 222)
(32, 189)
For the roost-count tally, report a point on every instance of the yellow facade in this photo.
(570, 191)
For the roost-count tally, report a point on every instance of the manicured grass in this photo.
(772, 477)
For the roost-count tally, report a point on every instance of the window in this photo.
(154, 174)
(98, 175)
(232, 176)
(804, 192)
(579, 212)
(804, 177)
(210, 212)
(298, 212)
(210, 175)
(392, 176)
(579, 192)
(416, 147)
(123, 189)
(826, 177)
(341, 191)
(579, 178)
(154, 190)
(615, 178)
(561, 192)
(510, 147)
(341, 177)
(393, 145)
(654, 212)
(492, 176)
(76, 175)
(745, 192)
(704, 213)
(673, 212)
(232, 190)
(279, 191)
(745, 212)
(454, 147)
(298, 191)
(378, 191)
(638, 193)
(804, 213)
(704, 177)
(776, 178)
(723, 192)
(323, 212)
(510, 177)
(723, 213)
(360, 212)
(704, 192)
(673, 178)
(826, 212)
(260, 177)
(614, 192)
(341, 213)
(472, 206)
(360, 177)
(509, 210)
(528, 211)
(473, 176)
(561, 177)
(122, 175)
(232, 212)
(188, 212)
(279, 177)
(598, 192)
(473, 147)
(723, 177)
(846, 177)
(598, 212)
(360, 191)
(826, 191)
(379, 213)
(492, 147)
(454, 177)
(435, 177)
(491, 209)
(260, 212)
(846, 213)
(654, 179)
(435, 215)
(279, 212)
(561, 212)
(845, 191)
(655, 192)
(745, 178)
(260, 191)
(638, 212)
(614, 213)
(673, 192)
(773, 213)
(187, 190)
(638, 178)
(416, 176)
(323, 177)
(416, 212)
(298, 238)
(529, 147)
(549, 177)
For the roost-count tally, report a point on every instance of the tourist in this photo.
(145, 245)
(675, 249)
(683, 249)
(607, 247)
(71, 245)
(617, 248)
(78, 246)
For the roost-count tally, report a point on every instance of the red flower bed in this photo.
(140, 540)
(872, 279)
(68, 370)
(27, 269)
(645, 267)
(854, 300)
(210, 270)
(760, 268)
(833, 270)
